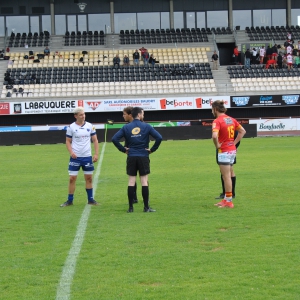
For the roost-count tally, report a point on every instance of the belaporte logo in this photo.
(241, 101)
(290, 99)
(164, 103)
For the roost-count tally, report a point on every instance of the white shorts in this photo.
(226, 158)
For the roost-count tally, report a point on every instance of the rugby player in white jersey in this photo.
(78, 142)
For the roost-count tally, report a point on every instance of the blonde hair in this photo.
(78, 109)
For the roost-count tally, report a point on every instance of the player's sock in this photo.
(130, 193)
(89, 194)
(233, 180)
(70, 197)
(223, 186)
(228, 196)
(145, 194)
(134, 193)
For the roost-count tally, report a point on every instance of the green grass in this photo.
(188, 249)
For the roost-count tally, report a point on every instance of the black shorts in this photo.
(138, 163)
(217, 158)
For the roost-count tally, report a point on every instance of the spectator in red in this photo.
(271, 62)
(236, 54)
(143, 50)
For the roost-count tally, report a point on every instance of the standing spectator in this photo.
(262, 54)
(146, 57)
(298, 46)
(116, 61)
(136, 57)
(247, 59)
(143, 50)
(269, 52)
(78, 142)
(254, 56)
(279, 60)
(137, 134)
(223, 131)
(126, 61)
(215, 59)
(236, 54)
(152, 60)
(297, 61)
(289, 49)
(275, 52)
(289, 61)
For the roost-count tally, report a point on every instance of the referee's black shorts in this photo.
(138, 163)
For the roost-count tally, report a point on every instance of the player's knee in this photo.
(72, 179)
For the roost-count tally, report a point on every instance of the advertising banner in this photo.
(264, 100)
(103, 105)
(276, 124)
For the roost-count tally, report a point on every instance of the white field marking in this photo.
(64, 288)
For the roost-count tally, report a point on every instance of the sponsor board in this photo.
(43, 107)
(276, 124)
(4, 108)
(103, 105)
(264, 100)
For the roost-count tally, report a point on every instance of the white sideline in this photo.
(64, 288)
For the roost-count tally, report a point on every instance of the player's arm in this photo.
(96, 147)
(69, 147)
(215, 134)
(116, 140)
(158, 138)
(241, 132)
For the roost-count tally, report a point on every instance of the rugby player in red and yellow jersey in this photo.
(223, 130)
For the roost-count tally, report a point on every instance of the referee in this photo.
(137, 135)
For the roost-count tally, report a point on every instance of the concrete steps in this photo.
(222, 81)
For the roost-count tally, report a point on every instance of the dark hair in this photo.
(135, 111)
(128, 110)
(219, 106)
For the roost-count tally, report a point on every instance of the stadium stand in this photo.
(84, 39)
(62, 74)
(29, 39)
(272, 32)
(157, 36)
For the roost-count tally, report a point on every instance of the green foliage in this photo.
(188, 249)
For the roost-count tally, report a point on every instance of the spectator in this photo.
(47, 51)
(214, 60)
(126, 61)
(289, 49)
(136, 57)
(254, 56)
(262, 54)
(289, 60)
(143, 50)
(274, 52)
(247, 59)
(152, 60)
(269, 52)
(298, 46)
(146, 57)
(236, 54)
(271, 62)
(279, 60)
(296, 61)
(116, 61)
(290, 37)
